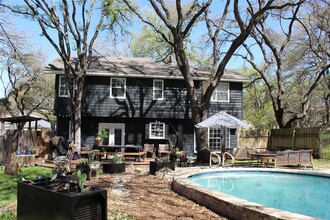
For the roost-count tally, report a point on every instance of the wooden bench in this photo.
(300, 158)
(106, 155)
(138, 155)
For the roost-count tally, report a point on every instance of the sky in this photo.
(33, 31)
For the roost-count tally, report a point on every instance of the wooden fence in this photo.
(256, 138)
(325, 144)
(288, 139)
(15, 139)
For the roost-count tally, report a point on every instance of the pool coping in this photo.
(233, 207)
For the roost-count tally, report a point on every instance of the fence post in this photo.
(293, 139)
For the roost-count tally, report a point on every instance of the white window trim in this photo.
(228, 92)
(61, 80)
(112, 127)
(153, 89)
(208, 135)
(164, 130)
(117, 97)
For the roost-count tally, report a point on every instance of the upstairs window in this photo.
(62, 88)
(221, 93)
(157, 130)
(158, 89)
(118, 88)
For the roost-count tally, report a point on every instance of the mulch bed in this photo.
(144, 196)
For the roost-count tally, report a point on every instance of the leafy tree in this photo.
(240, 21)
(257, 105)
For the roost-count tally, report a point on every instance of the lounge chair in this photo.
(237, 156)
(244, 155)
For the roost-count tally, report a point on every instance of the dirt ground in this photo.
(144, 196)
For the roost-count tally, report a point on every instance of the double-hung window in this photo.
(157, 130)
(215, 139)
(158, 89)
(118, 88)
(62, 88)
(221, 93)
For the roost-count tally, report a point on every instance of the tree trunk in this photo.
(77, 111)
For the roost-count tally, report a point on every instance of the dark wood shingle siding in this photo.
(139, 101)
(235, 104)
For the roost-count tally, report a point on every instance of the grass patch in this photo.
(321, 163)
(11, 215)
(8, 184)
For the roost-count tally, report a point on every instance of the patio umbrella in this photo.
(222, 119)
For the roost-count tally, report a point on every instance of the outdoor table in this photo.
(123, 148)
(264, 157)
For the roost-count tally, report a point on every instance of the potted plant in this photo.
(115, 165)
(54, 198)
(183, 158)
(83, 167)
(91, 156)
(101, 135)
(160, 163)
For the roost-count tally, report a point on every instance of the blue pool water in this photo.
(298, 193)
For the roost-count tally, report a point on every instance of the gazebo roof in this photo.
(19, 119)
(22, 119)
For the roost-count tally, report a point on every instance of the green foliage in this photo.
(149, 44)
(82, 177)
(117, 158)
(8, 184)
(83, 161)
(8, 215)
(162, 159)
(102, 134)
(257, 104)
(119, 216)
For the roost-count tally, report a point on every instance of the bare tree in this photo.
(29, 90)
(182, 23)
(317, 24)
(73, 22)
(26, 89)
(294, 61)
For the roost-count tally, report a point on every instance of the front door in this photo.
(116, 132)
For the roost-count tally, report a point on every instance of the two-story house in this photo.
(139, 101)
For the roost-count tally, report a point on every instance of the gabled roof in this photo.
(140, 67)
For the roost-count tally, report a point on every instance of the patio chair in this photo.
(164, 149)
(151, 149)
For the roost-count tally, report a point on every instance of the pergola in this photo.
(22, 119)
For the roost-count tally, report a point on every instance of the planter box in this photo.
(36, 201)
(114, 168)
(155, 166)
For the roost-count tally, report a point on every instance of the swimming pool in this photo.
(299, 193)
(260, 193)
